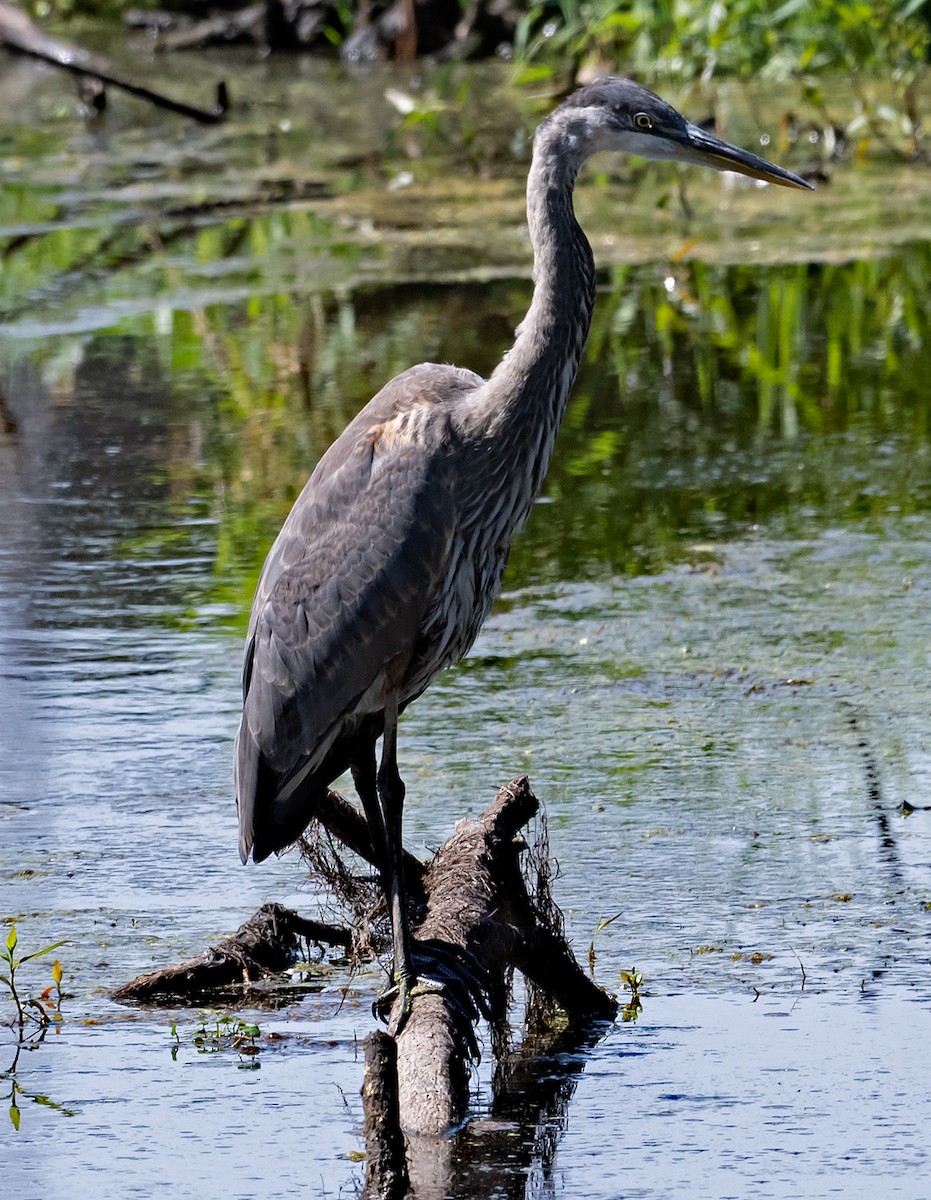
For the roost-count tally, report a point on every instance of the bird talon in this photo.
(382, 1005)
(440, 969)
(399, 997)
(406, 989)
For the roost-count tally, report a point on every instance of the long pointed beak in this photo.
(699, 146)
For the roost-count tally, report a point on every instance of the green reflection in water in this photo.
(760, 362)
(711, 399)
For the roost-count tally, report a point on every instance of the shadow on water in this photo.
(711, 653)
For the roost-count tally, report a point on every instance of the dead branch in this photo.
(18, 33)
(480, 919)
(344, 822)
(267, 943)
(386, 1175)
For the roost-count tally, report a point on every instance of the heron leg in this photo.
(440, 967)
(364, 775)
(391, 797)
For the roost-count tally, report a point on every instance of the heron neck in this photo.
(523, 402)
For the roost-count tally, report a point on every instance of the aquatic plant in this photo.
(633, 981)
(42, 1009)
(223, 1031)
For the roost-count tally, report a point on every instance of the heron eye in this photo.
(643, 121)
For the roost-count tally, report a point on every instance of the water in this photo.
(749, 1115)
(711, 655)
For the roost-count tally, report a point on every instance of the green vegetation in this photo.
(787, 377)
(223, 1032)
(667, 40)
(33, 1015)
(881, 49)
(42, 1009)
(632, 980)
(251, 333)
(699, 39)
(795, 369)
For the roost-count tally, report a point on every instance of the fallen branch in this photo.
(386, 1175)
(20, 34)
(269, 941)
(343, 821)
(262, 947)
(480, 919)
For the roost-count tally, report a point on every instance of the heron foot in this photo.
(467, 984)
(393, 1006)
(442, 968)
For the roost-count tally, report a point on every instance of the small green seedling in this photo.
(223, 1032)
(633, 980)
(43, 1010)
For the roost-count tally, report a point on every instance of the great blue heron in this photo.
(392, 554)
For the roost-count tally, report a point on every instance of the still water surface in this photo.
(711, 657)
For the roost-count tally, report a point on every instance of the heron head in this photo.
(621, 115)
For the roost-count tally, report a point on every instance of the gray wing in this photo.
(345, 589)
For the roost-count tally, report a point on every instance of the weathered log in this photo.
(20, 34)
(262, 947)
(344, 822)
(386, 1176)
(478, 902)
(268, 942)
(480, 919)
(532, 1091)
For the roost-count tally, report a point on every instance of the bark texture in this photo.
(262, 947)
(386, 1176)
(477, 900)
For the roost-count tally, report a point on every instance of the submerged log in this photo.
(531, 1094)
(386, 1176)
(262, 947)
